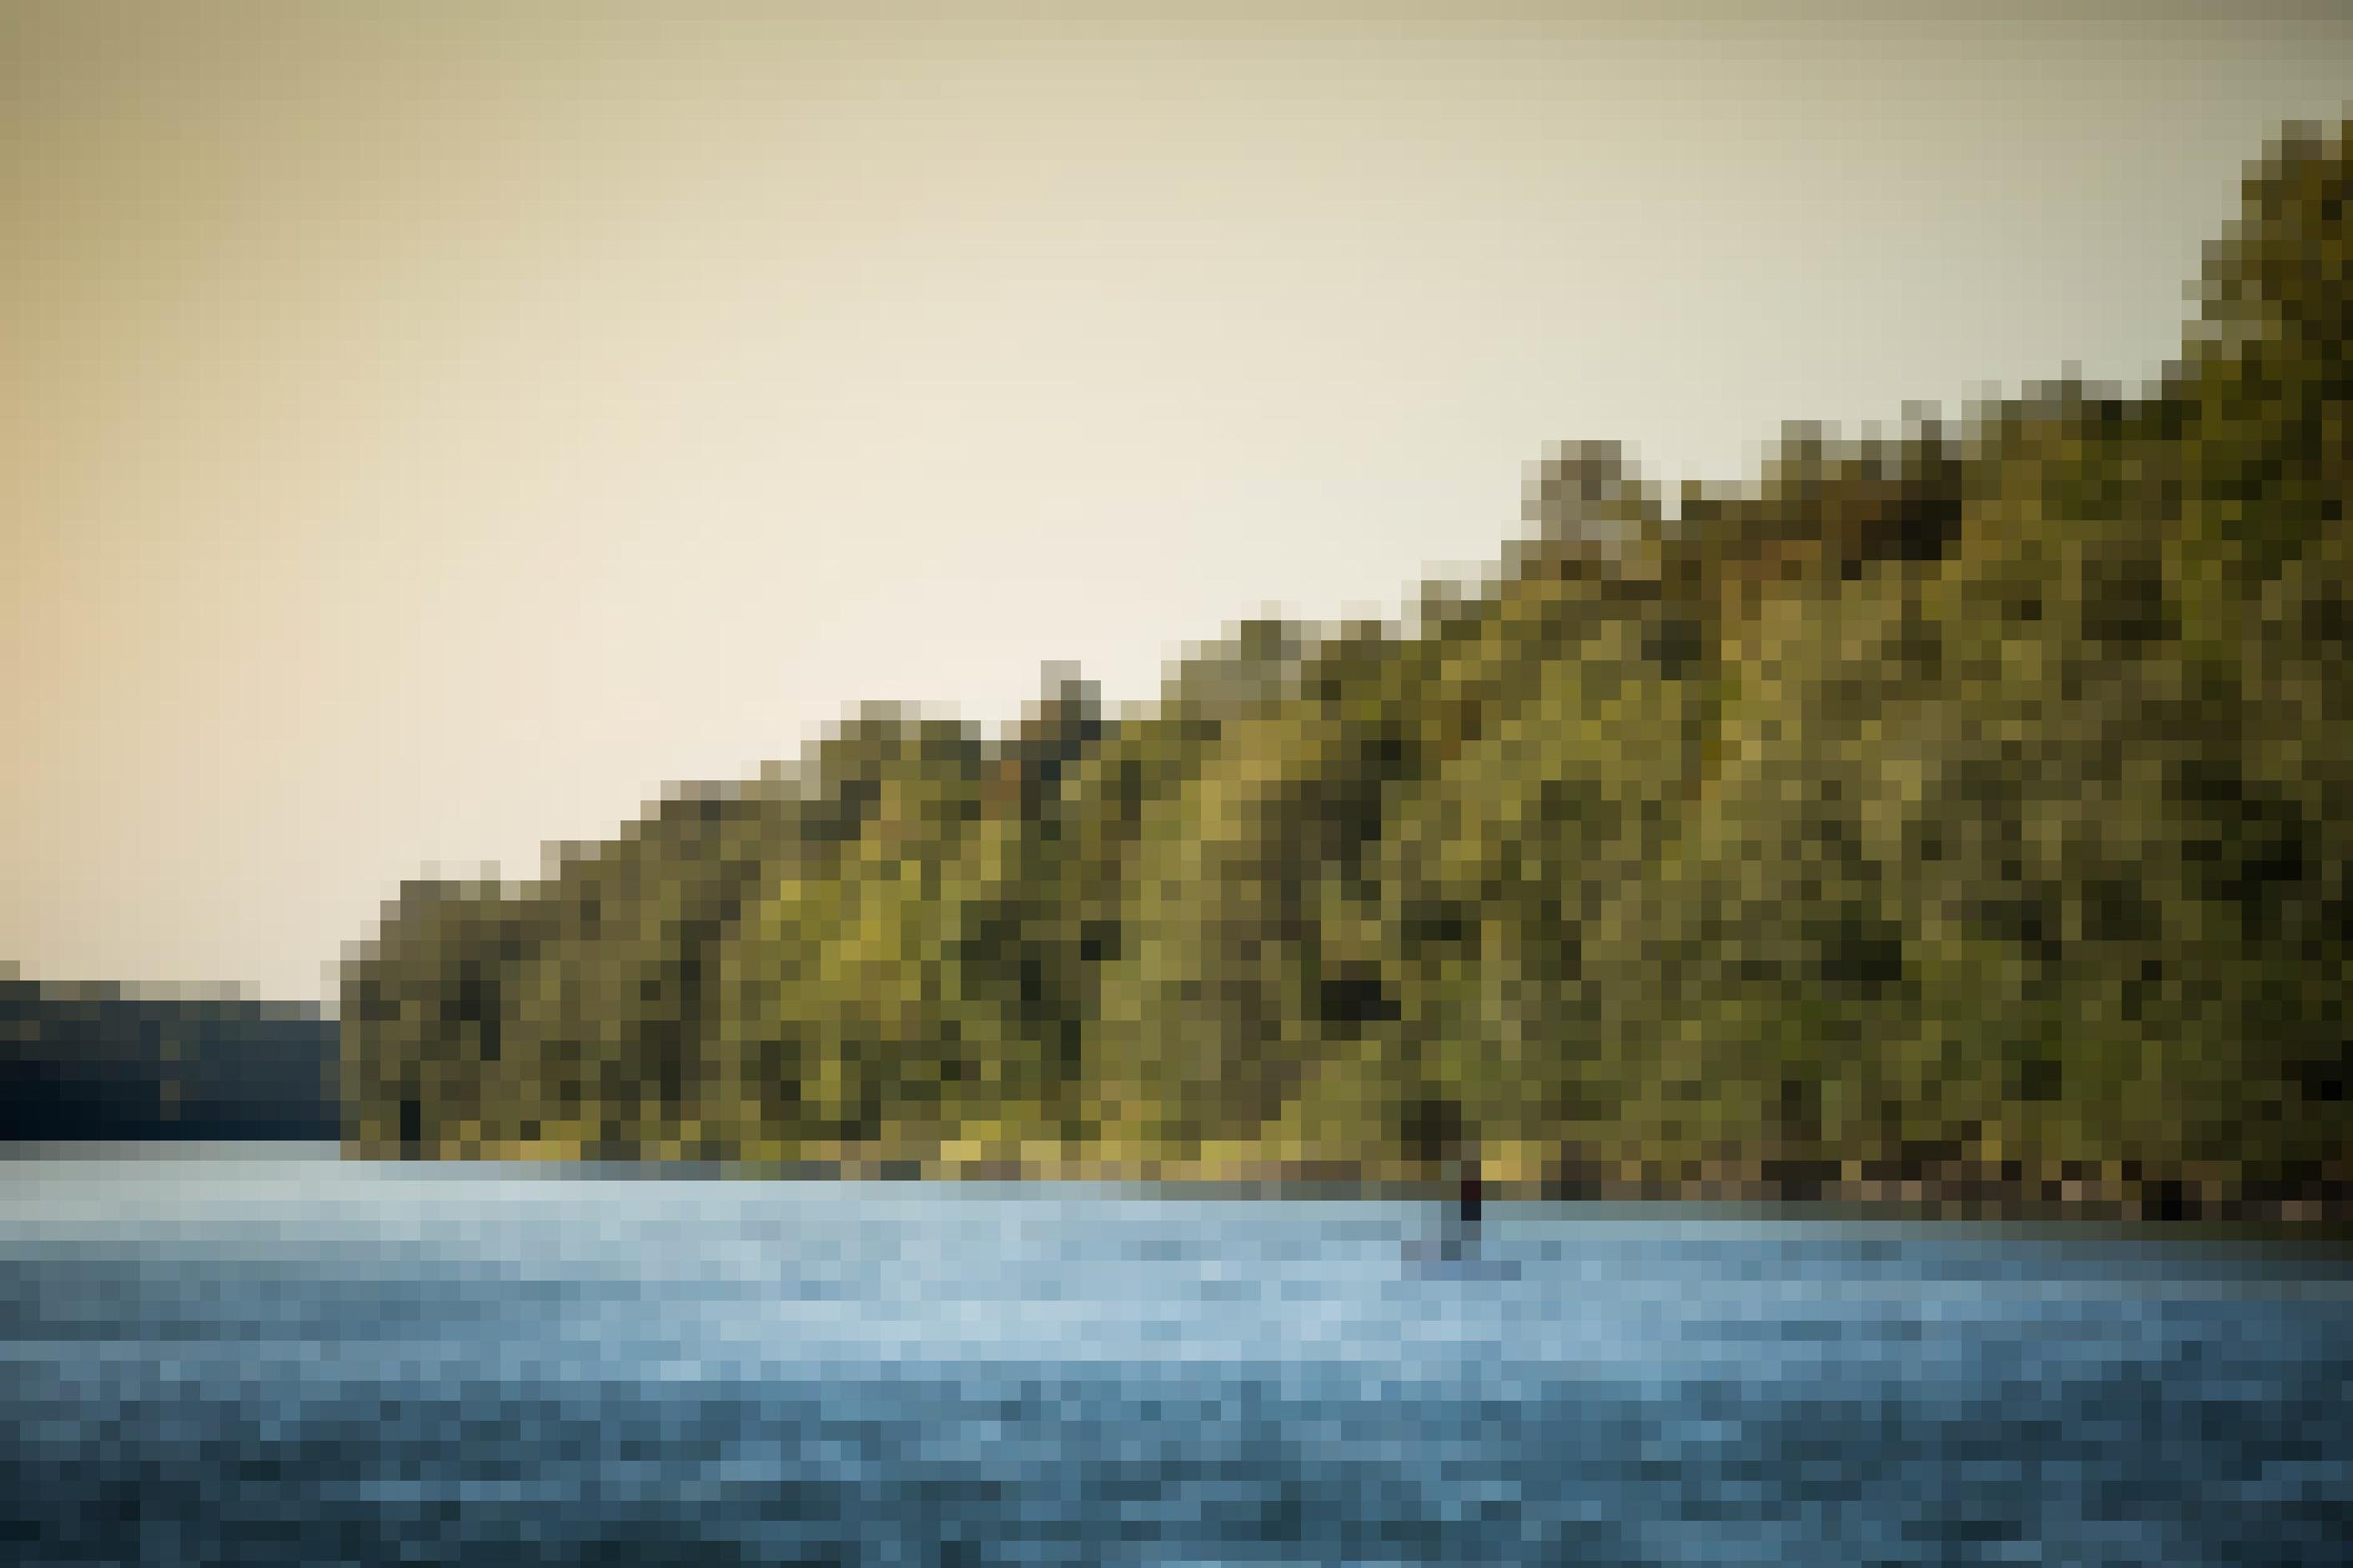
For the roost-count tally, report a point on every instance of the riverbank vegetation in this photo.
(1961, 815)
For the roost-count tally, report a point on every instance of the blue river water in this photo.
(261, 1357)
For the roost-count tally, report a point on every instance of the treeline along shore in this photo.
(1956, 817)
(95, 1063)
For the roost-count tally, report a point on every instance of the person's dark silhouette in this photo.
(1469, 1198)
(1436, 1134)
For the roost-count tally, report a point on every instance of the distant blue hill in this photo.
(86, 1062)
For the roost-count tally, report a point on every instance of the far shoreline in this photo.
(2070, 1202)
(2076, 1193)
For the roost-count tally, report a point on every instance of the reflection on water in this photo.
(274, 1357)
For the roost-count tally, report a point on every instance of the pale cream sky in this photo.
(426, 429)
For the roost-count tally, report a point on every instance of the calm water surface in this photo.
(273, 1357)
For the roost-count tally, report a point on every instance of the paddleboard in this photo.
(1431, 1260)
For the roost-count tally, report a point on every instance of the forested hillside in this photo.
(89, 1062)
(1967, 808)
